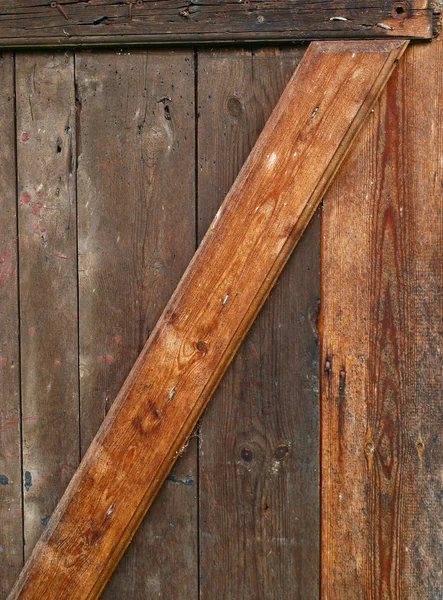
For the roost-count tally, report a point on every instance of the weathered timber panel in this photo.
(75, 22)
(48, 282)
(136, 236)
(211, 310)
(11, 553)
(259, 437)
(382, 298)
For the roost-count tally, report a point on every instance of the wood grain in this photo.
(225, 285)
(136, 237)
(48, 282)
(11, 553)
(259, 459)
(78, 23)
(382, 293)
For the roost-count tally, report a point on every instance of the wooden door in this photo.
(113, 164)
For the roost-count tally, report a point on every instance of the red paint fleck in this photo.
(43, 229)
(100, 358)
(25, 136)
(2, 361)
(5, 343)
(109, 359)
(118, 339)
(35, 226)
(31, 330)
(36, 207)
(75, 315)
(6, 266)
(29, 419)
(25, 199)
(58, 363)
(60, 255)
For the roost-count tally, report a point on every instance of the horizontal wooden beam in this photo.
(224, 287)
(68, 23)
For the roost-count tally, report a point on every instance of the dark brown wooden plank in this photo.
(11, 535)
(259, 476)
(48, 282)
(136, 237)
(75, 22)
(211, 310)
(382, 298)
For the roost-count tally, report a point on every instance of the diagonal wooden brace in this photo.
(229, 278)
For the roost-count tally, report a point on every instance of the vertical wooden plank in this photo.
(48, 282)
(382, 293)
(136, 237)
(259, 436)
(11, 546)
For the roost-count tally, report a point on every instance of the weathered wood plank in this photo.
(11, 542)
(239, 260)
(136, 236)
(75, 22)
(259, 456)
(48, 282)
(382, 298)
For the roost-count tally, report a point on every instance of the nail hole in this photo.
(53, 4)
(282, 451)
(246, 454)
(399, 10)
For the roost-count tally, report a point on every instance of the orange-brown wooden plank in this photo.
(229, 278)
(382, 298)
(11, 542)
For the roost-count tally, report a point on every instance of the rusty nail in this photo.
(60, 9)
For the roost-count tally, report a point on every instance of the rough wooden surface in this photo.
(258, 477)
(48, 282)
(250, 240)
(136, 237)
(75, 22)
(382, 296)
(11, 551)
